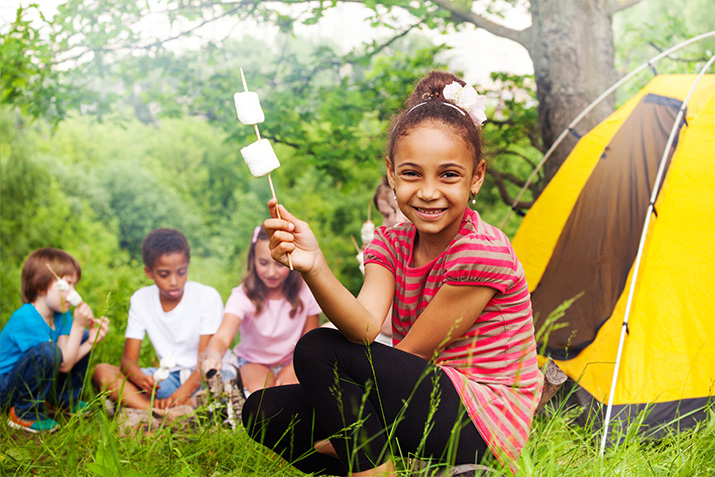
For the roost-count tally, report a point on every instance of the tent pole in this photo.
(641, 246)
(588, 109)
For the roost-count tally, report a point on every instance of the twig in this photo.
(355, 244)
(52, 271)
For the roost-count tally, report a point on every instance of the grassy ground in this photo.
(93, 445)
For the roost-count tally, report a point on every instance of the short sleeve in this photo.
(23, 334)
(211, 312)
(483, 260)
(239, 304)
(136, 328)
(309, 303)
(381, 250)
(66, 326)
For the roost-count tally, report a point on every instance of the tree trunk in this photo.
(571, 45)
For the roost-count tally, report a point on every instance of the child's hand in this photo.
(98, 330)
(144, 382)
(171, 401)
(291, 235)
(82, 315)
(209, 359)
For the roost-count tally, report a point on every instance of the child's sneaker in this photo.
(79, 408)
(40, 425)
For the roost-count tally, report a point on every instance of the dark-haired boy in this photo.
(179, 316)
(44, 349)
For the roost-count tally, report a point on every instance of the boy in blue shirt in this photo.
(44, 350)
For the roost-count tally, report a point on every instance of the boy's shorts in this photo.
(170, 384)
(179, 377)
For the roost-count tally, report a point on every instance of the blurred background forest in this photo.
(106, 135)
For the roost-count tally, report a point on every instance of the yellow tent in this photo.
(581, 236)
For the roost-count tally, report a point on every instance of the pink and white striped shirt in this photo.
(493, 366)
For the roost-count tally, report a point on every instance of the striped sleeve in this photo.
(482, 258)
(381, 250)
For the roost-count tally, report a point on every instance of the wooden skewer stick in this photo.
(52, 271)
(270, 181)
(357, 249)
(369, 206)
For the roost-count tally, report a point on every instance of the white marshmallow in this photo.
(62, 285)
(361, 262)
(248, 108)
(167, 362)
(160, 375)
(260, 158)
(74, 298)
(367, 232)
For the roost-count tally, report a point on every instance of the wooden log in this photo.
(554, 378)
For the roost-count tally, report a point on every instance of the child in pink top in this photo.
(462, 381)
(272, 308)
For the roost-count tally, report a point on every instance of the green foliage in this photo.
(27, 77)
(653, 26)
(38, 212)
(160, 147)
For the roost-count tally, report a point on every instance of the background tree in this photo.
(571, 43)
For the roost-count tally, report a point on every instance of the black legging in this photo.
(411, 399)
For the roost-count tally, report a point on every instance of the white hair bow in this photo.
(468, 99)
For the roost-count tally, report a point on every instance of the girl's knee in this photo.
(258, 412)
(314, 344)
(249, 413)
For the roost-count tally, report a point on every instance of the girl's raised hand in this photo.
(291, 235)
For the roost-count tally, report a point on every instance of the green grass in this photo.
(93, 445)
(556, 448)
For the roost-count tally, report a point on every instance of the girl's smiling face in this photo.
(271, 273)
(433, 174)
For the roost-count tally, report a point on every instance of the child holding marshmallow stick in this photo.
(178, 315)
(462, 323)
(44, 347)
(272, 308)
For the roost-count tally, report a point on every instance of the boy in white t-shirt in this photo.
(179, 316)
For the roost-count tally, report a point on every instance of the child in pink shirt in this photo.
(272, 308)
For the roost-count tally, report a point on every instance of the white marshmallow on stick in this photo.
(166, 363)
(248, 108)
(160, 375)
(261, 157)
(62, 285)
(74, 298)
(367, 232)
